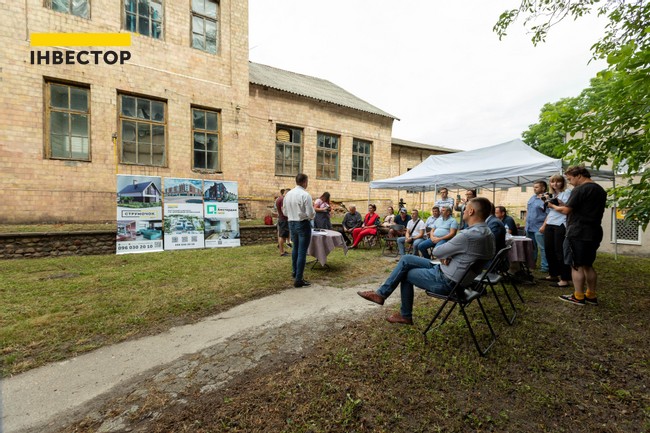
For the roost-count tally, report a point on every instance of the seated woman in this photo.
(323, 208)
(402, 220)
(369, 227)
(389, 220)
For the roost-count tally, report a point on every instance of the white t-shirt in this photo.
(419, 226)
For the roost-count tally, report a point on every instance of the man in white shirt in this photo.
(298, 208)
(415, 230)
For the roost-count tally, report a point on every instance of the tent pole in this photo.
(494, 193)
(614, 222)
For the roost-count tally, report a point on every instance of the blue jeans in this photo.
(401, 242)
(410, 271)
(300, 237)
(538, 242)
(425, 245)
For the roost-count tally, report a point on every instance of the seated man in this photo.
(498, 229)
(351, 221)
(435, 214)
(401, 219)
(511, 227)
(444, 229)
(476, 243)
(414, 233)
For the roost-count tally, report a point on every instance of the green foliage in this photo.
(548, 136)
(609, 120)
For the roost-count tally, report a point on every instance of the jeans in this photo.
(425, 245)
(410, 271)
(538, 241)
(401, 242)
(300, 237)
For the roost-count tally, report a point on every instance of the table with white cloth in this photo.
(323, 242)
(522, 250)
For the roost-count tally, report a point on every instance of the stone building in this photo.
(187, 103)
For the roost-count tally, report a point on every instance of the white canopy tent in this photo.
(504, 165)
(500, 166)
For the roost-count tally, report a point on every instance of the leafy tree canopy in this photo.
(608, 121)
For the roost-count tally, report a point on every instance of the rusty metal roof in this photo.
(309, 87)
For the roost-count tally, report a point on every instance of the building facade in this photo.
(171, 110)
(187, 103)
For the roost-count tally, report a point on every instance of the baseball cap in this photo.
(403, 209)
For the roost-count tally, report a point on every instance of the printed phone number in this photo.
(134, 247)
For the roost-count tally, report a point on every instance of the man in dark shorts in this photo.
(283, 224)
(584, 233)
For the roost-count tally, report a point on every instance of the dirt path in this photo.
(113, 385)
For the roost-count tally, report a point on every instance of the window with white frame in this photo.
(288, 150)
(205, 14)
(361, 160)
(205, 133)
(144, 17)
(327, 156)
(142, 130)
(627, 231)
(80, 8)
(68, 121)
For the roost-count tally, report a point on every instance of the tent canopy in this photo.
(501, 166)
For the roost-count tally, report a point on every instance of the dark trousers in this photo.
(553, 241)
(300, 237)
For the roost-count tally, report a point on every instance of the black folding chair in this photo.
(498, 274)
(463, 294)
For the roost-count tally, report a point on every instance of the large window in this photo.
(204, 25)
(205, 130)
(68, 115)
(327, 159)
(144, 17)
(142, 126)
(361, 160)
(80, 8)
(288, 148)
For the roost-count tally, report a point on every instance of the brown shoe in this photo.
(397, 318)
(371, 296)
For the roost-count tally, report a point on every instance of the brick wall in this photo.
(270, 108)
(36, 189)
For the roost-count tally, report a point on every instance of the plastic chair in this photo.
(463, 294)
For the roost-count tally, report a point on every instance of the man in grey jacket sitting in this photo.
(476, 243)
(351, 221)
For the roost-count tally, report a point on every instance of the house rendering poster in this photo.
(139, 214)
(183, 213)
(221, 207)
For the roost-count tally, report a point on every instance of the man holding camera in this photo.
(536, 211)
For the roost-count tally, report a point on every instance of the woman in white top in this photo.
(554, 230)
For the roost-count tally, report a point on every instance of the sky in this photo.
(436, 65)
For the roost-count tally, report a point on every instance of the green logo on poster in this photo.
(212, 209)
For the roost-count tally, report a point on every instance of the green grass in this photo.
(55, 308)
(560, 368)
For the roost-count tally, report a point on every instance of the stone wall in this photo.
(34, 245)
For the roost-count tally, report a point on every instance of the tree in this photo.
(609, 120)
(549, 135)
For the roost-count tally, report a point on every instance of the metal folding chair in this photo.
(463, 294)
(498, 274)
